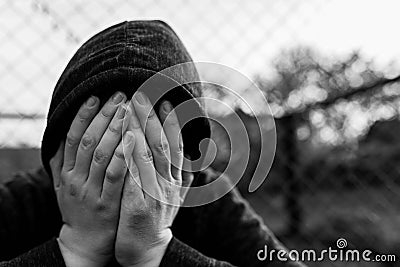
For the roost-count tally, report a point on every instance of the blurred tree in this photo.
(328, 102)
(336, 99)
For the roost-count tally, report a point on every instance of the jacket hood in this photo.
(121, 58)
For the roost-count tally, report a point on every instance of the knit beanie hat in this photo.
(121, 58)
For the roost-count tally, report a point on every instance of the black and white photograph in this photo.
(206, 133)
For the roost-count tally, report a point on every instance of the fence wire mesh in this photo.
(335, 175)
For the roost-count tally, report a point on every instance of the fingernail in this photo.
(141, 98)
(121, 112)
(117, 98)
(167, 107)
(91, 101)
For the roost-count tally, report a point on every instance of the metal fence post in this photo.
(293, 190)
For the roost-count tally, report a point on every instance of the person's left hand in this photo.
(144, 225)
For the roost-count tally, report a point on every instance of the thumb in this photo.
(187, 177)
(56, 163)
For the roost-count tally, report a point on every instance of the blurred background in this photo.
(329, 69)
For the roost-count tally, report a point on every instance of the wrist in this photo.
(153, 256)
(74, 255)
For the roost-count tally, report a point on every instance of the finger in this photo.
(56, 164)
(143, 157)
(104, 151)
(78, 127)
(173, 132)
(95, 131)
(133, 201)
(187, 178)
(154, 134)
(117, 169)
(133, 187)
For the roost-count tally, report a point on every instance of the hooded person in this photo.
(123, 57)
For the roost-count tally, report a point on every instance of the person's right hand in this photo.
(88, 176)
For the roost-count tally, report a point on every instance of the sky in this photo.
(38, 37)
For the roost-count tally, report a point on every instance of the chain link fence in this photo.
(336, 170)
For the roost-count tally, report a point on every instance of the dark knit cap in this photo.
(122, 58)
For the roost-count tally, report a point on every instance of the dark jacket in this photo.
(226, 232)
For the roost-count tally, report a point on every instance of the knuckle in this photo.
(100, 157)
(88, 141)
(119, 154)
(115, 127)
(100, 205)
(146, 156)
(140, 217)
(73, 189)
(113, 176)
(72, 140)
(84, 114)
(161, 147)
(107, 112)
